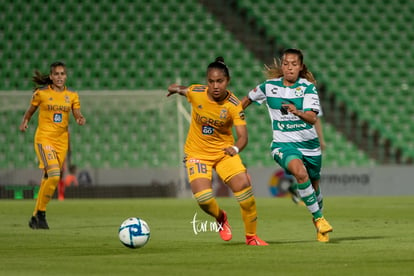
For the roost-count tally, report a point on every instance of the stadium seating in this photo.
(359, 50)
(132, 45)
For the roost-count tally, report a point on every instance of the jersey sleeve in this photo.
(194, 89)
(311, 100)
(320, 114)
(36, 99)
(239, 118)
(76, 101)
(258, 94)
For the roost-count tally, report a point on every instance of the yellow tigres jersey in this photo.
(211, 123)
(54, 111)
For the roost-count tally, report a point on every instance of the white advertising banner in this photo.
(267, 182)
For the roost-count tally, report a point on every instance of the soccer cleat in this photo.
(322, 237)
(255, 240)
(225, 229)
(319, 236)
(322, 225)
(33, 223)
(41, 220)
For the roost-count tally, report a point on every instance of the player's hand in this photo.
(23, 126)
(291, 108)
(232, 151)
(323, 145)
(81, 121)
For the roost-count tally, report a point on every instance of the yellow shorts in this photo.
(226, 167)
(48, 155)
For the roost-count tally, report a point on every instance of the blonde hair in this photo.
(275, 70)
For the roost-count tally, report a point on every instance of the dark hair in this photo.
(43, 79)
(219, 64)
(294, 52)
(275, 70)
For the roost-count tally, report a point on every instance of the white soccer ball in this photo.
(134, 232)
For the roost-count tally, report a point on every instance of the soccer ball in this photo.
(134, 232)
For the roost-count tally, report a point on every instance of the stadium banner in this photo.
(379, 180)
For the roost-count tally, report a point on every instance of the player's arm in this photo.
(241, 141)
(177, 89)
(311, 106)
(308, 116)
(318, 128)
(246, 102)
(26, 117)
(78, 116)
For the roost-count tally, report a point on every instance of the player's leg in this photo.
(305, 189)
(49, 161)
(234, 174)
(322, 237)
(293, 189)
(291, 160)
(318, 193)
(199, 174)
(203, 193)
(33, 222)
(313, 165)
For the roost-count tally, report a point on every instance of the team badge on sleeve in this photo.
(242, 116)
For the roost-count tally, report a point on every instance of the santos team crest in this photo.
(298, 92)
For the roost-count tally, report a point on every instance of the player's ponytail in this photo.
(305, 73)
(41, 79)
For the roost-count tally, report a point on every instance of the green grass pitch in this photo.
(372, 236)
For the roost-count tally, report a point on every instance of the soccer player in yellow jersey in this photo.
(55, 102)
(210, 145)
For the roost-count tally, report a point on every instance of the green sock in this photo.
(307, 193)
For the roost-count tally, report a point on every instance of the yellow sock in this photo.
(47, 189)
(39, 195)
(208, 203)
(248, 210)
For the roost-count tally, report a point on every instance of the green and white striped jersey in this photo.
(288, 129)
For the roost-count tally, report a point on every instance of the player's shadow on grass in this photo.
(333, 240)
(355, 238)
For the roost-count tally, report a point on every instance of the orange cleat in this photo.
(255, 240)
(224, 228)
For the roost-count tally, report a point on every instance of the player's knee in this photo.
(53, 175)
(301, 176)
(239, 182)
(298, 170)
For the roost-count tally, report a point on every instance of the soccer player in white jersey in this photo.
(293, 103)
